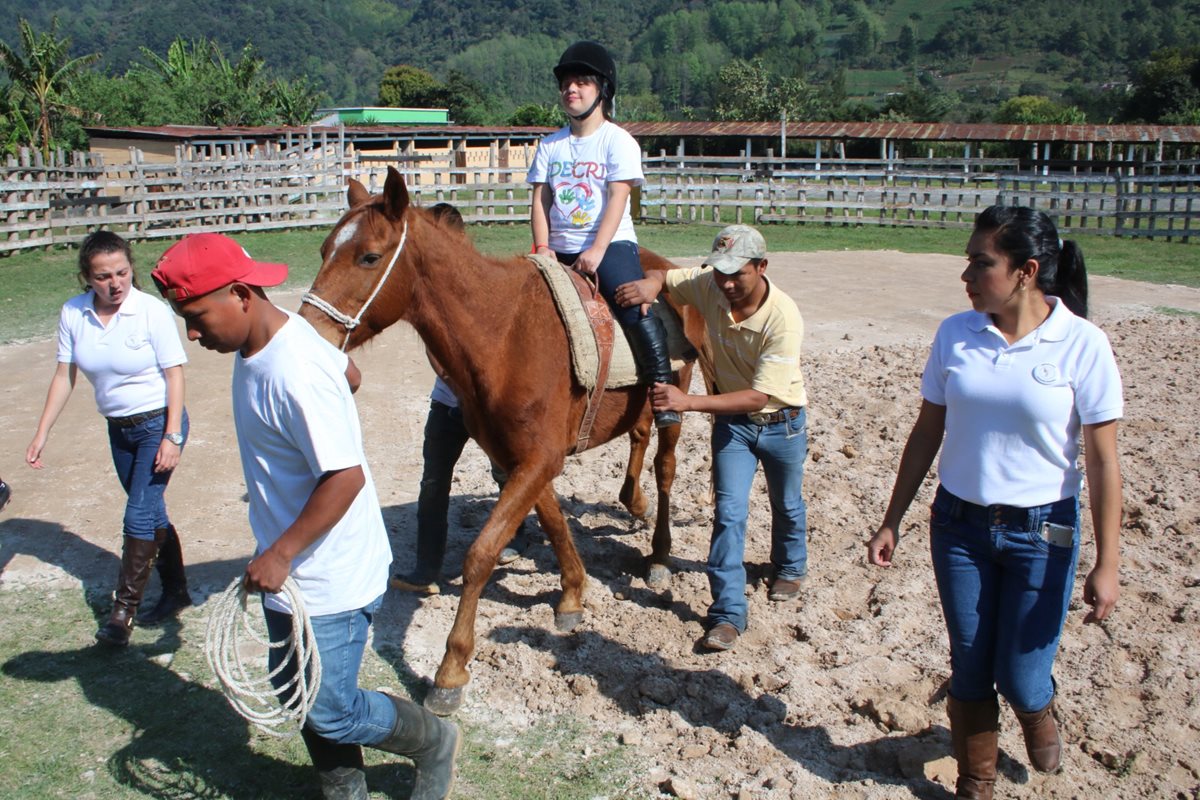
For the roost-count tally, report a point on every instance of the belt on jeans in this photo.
(975, 514)
(775, 416)
(137, 419)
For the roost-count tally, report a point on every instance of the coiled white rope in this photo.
(245, 687)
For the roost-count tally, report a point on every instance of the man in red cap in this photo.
(313, 507)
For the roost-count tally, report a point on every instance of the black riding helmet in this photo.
(590, 58)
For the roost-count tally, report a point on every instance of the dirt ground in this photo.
(838, 695)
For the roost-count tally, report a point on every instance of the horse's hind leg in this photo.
(515, 501)
(570, 607)
(632, 496)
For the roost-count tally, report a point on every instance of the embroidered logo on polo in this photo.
(1045, 374)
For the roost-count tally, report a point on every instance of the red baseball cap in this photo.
(200, 263)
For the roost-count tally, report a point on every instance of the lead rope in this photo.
(350, 323)
(255, 698)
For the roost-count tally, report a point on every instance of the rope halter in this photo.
(345, 320)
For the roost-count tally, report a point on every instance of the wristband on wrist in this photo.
(537, 247)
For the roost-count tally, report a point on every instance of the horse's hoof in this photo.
(566, 621)
(658, 576)
(444, 702)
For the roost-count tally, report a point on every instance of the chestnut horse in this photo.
(492, 326)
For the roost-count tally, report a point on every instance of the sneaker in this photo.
(721, 636)
(415, 584)
(783, 589)
(516, 548)
(5, 494)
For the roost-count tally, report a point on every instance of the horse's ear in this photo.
(357, 194)
(395, 195)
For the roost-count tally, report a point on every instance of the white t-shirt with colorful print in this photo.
(578, 169)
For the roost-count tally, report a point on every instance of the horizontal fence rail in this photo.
(304, 185)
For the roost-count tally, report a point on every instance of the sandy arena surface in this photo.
(837, 695)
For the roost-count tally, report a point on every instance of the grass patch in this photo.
(34, 285)
(85, 721)
(1177, 312)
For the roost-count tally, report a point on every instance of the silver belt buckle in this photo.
(759, 418)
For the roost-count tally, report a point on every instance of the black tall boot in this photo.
(174, 597)
(137, 560)
(648, 340)
(339, 767)
(430, 742)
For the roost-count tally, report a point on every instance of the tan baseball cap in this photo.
(733, 247)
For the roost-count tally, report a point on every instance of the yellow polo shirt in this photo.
(761, 352)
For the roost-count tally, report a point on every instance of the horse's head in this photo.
(361, 287)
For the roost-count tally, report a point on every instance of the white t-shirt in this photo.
(1013, 412)
(125, 360)
(442, 393)
(295, 421)
(578, 170)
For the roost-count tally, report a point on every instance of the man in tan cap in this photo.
(756, 331)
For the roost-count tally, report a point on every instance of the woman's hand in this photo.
(589, 260)
(33, 453)
(1100, 591)
(167, 457)
(882, 546)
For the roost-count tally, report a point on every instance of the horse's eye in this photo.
(369, 259)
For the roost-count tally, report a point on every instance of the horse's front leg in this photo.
(517, 497)
(658, 571)
(632, 496)
(569, 612)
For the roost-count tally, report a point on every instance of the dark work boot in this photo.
(975, 734)
(174, 597)
(432, 744)
(648, 341)
(339, 767)
(137, 560)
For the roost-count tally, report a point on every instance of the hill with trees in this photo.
(490, 62)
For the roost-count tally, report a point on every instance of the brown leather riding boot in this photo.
(975, 733)
(1042, 742)
(137, 560)
(174, 597)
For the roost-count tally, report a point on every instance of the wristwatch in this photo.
(174, 438)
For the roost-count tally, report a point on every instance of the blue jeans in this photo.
(738, 446)
(621, 264)
(133, 451)
(343, 712)
(445, 437)
(1005, 591)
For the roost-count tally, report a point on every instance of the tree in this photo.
(749, 91)
(403, 86)
(535, 115)
(42, 73)
(1037, 110)
(1167, 88)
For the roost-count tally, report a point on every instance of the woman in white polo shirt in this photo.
(127, 345)
(1011, 385)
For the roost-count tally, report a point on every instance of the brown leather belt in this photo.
(137, 419)
(773, 417)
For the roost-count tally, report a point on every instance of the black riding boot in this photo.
(137, 560)
(430, 742)
(648, 340)
(339, 767)
(174, 597)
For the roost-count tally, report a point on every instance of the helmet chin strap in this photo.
(588, 113)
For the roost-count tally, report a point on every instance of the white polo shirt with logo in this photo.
(1013, 412)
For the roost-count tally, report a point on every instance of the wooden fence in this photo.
(276, 187)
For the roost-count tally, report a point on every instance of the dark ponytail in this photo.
(1024, 233)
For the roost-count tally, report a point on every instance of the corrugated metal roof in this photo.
(902, 131)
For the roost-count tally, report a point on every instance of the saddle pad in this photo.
(622, 371)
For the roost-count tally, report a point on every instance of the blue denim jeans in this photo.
(738, 446)
(343, 712)
(1005, 591)
(445, 438)
(621, 264)
(133, 451)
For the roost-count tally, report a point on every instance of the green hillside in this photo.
(959, 58)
